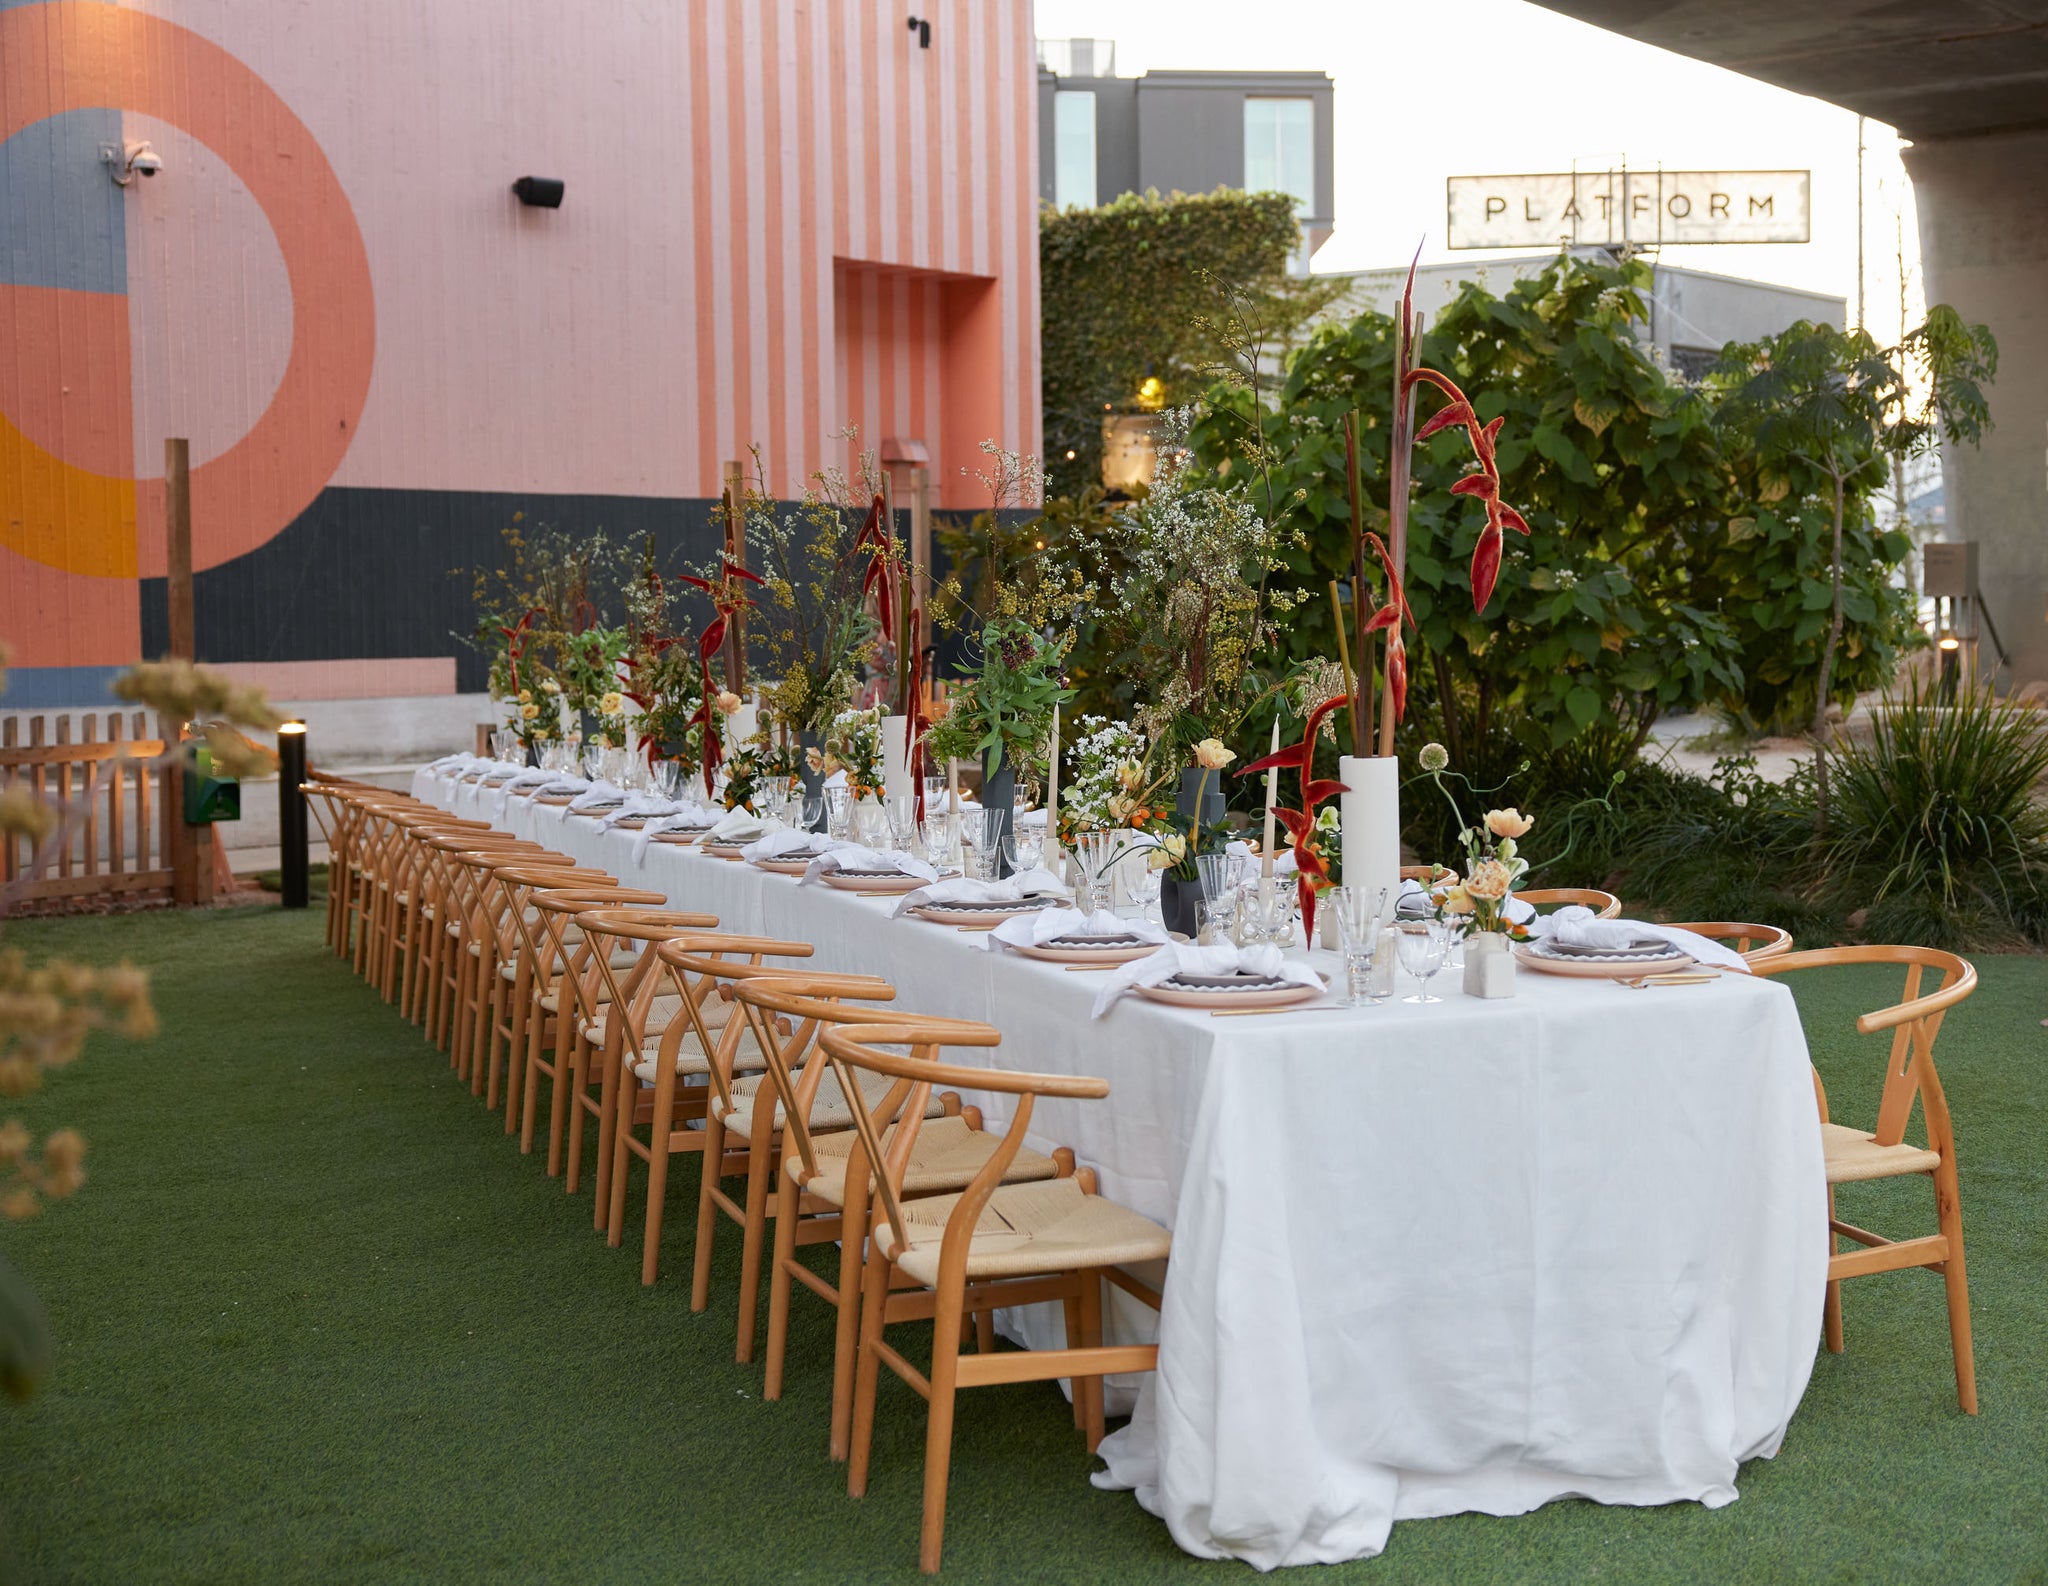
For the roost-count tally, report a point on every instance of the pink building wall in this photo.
(783, 217)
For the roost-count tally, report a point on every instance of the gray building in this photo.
(1101, 136)
(1693, 314)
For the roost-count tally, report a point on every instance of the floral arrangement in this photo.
(1175, 851)
(1493, 863)
(1002, 710)
(663, 679)
(855, 744)
(1110, 790)
(1304, 828)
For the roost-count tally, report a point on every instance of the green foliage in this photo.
(1936, 822)
(1131, 289)
(1003, 710)
(26, 1351)
(1598, 618)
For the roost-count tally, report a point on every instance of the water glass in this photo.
(1422, 945)
(1026, 848)
(1097, 853)
(838, 812)
(814, 811)
(939, 841)
(985, 831)
(1358, 924)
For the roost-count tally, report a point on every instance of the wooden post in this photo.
(191, 864)
(736, 553)
(921, 548)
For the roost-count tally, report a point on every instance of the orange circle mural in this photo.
(113, 58)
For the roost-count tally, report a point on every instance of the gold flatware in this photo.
(1645, 982)
(1253, 1013)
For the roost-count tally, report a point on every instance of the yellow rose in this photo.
(1172, 848)
(1210, 754)
(1508, 822)
(1490, 881)
(1130, 776)
(526, 696)
(611, 704)
(528, 712)
(728, 702)
(1457, 901)
(550, 686)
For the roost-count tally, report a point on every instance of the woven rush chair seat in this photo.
(1054, 1226)
(1853, 1155)
(691, 1059)
(945, 1156)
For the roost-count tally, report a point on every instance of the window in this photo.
(1280, 150)
(1073, 146)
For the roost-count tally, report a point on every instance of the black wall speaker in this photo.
(541, 192)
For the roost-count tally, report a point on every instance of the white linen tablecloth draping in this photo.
(1472, 1256)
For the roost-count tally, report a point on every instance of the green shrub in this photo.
(1936, 827)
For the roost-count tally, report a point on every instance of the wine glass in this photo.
(1422, 945)
(938, 838)
(1358, 924)
(838, 812)
(814, 810)
(985, 830)
(899, 810)
(1026, 847)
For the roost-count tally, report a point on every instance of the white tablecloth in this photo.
(1473, 1256)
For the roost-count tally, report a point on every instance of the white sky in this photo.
(1539, 91)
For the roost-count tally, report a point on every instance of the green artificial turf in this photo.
(319, 1320)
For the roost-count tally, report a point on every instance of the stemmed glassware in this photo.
(1097, 853)
(986, 830)
(1220, 875)
(838, 812)
(814, 810)
(1358, 923)
(899, 810)
(1422, 945)
(938, 837)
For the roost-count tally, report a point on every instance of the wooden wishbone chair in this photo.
(481, 942)
(515, 998)
(560, 958)
(338, 817)
(618, 984)
(408, 911)
(992, 1244)
(430, 974)
(666, 1069)
(1857, 1155)
(815, 1203)
(1605, 905)
(1753, 942)
(744, 1120)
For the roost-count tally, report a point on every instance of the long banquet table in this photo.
(1473, 1256)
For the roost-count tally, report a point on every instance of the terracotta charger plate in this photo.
(1620, 967)
(979, 913)
(1061, 952)
(553, 798)
(715, 850)
(785, 867)
(1212, 996)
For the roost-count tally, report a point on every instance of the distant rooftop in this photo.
(1078, 57)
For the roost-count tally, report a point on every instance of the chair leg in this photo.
(938, 1431)
(760, 1163)
(787, 1202)
(707, 1211)
(853, 1229)
(874, 1301)
(1074, 1333)
(1088, 1390)
(612, 1094)
(1831, 1311)
(657, 1185)
(580, 1054)
(529, 1104)
(622, 1161)
(1949, 1207)
(558, 1093)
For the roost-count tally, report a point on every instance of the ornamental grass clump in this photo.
(1939, 826)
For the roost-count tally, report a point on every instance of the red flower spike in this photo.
(1485, 565)
(1484, 486)
(1512, 519)
(1397, 673)
(1456, 413)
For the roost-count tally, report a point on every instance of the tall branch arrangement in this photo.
(1393, 614)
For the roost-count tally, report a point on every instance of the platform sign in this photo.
(1607, 209)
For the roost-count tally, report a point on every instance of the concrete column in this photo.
(1984, 248)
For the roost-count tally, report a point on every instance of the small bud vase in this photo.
(1489, 965)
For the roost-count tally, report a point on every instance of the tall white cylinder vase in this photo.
(897, 781)
(1370, 812)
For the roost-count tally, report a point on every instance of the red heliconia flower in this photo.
(1485, 484)
(874, 538)
(1309, 867)
(1392, 616)
(516, 634)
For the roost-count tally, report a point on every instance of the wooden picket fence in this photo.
(120, 846)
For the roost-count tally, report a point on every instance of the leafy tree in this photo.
(1597, 617)
(1842, 405)
(1130, 290)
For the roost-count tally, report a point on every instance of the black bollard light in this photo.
(291, 813)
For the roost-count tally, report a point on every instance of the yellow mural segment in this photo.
(63, 516)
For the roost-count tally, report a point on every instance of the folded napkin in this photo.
(1035, 930)
(551, 782)
(685, 819)
(1034, 883)
(530, 777)
(457, 763)
(1178, 958)
(599, 792)
(651, 805)
(736, 825)
(851, 856)
(786, 842)
(1575, 925)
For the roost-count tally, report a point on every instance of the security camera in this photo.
(125, 161)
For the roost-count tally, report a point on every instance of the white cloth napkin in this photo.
(851, 856)
(1575, 925)
(651, 805)
(686, 819)
(455, 764)
(736, 825)
(551, 782)
(787, 842)
(1034, 883)
(530, 777)
(1177, 958)
(1283, 862)
(599, 792)
(1034, 930)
